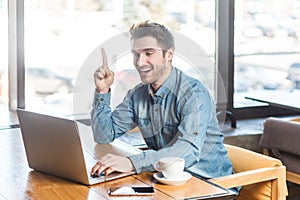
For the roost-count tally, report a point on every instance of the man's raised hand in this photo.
(103, 76)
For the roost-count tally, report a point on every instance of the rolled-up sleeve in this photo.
(101, 118)
(108, 125)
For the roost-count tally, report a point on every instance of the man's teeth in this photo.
(145, 70)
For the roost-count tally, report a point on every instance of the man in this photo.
(174, 112)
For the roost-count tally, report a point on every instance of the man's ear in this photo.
(170, 54)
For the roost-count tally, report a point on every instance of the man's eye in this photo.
(149, 53)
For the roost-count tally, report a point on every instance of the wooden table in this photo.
(18, 181)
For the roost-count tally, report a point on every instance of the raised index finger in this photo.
(104, 59)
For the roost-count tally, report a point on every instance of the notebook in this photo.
(65, 147)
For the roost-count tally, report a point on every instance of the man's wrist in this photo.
(132, 165)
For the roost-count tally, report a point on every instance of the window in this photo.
(60, 36)
(250, 58)
(266, 48)
(3, 55)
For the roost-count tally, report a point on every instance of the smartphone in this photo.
(131, 191)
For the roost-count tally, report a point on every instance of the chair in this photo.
(280, 139)
(260, 176)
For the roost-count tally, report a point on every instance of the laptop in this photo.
(65, 147)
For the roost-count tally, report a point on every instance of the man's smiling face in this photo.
(151, 62)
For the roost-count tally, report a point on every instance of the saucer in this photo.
(178, 181)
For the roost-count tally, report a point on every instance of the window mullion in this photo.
(224, 53)
(16, 54)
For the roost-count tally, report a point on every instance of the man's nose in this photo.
(141, 60)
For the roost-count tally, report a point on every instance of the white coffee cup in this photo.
(171, 167)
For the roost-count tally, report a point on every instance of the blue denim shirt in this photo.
(177, 120)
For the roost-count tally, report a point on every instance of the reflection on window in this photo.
(3, 56)
(59, 35)
(267, 48)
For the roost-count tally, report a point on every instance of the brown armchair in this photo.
(260, 176)
(280, 140)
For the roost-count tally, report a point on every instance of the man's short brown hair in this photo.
(147, 28)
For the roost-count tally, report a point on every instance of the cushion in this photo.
(281, 137)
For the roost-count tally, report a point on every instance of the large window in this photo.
(257, 48)
(3, 56)
(266, 49)
(61, 34)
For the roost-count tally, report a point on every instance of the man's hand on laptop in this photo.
(110, 163)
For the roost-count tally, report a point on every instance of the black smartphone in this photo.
(131, 191)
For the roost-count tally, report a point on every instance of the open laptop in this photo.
(65, 147)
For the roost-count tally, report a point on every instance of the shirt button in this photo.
(195, 133)
(101, 99)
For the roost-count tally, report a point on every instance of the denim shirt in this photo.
(179, 119)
